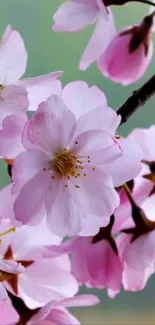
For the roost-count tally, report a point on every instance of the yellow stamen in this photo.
(8, 231)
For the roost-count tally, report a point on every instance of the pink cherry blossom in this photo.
(57, 313)
(129, 53)
(43, 279)
(75, 15)
(66, 169)
(94, 262)
(13, 58)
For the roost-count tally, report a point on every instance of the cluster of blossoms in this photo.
(79, 209)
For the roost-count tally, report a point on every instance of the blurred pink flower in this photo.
(56, 312)
(94, 260)
(43, 279)
(128, 54)
(77, 14)
(13, 58)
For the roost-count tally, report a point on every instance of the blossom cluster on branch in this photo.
(79, 208)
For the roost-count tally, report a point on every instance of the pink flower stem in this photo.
(137, 100)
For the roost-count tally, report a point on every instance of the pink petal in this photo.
(104, 266)
(3, 294)
(13, 101)
(144, 137)
(127, 166)
(98, 44)
(61, 317)
(101, 118)
(141, 253)
(45, 281)
(29, 206)
(106, 150)
(73, 15)
(11, 136)
(7, 203)
(62, 214)
(40, 88)
(13, 57)
(135, 280)
(81, 99)
(148, 207)
(96, 193)
(11, 266)
(26, 165)
(53, 125)
(79, 301)
(8, 313)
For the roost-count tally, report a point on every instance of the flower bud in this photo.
(129, 53)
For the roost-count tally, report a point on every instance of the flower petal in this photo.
(73, 15)
(29, 206)
(13, 100)
(96, 147)
(101, 118)
(53, 125)
(63, 217)
(79, 301)
(26, 165)
(11, 136)
(98, 43)
(13, 57)
(127, 166)
(40, 88)
(96, 193)
(81, 99)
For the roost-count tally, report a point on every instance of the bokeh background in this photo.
(49, 51)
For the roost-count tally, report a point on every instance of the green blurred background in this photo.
(49, 51)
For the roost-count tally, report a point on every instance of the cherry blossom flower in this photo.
(13, 58)
(43, 279)
(89, 109)
(65, 169)
(95, 260)
(129, 53)
(75, 15)
(57, 313)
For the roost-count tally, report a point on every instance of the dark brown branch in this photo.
(137, 99)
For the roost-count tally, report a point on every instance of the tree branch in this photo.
(137, 99)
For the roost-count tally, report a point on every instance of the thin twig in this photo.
(137, 99)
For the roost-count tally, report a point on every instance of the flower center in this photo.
(64, 163)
